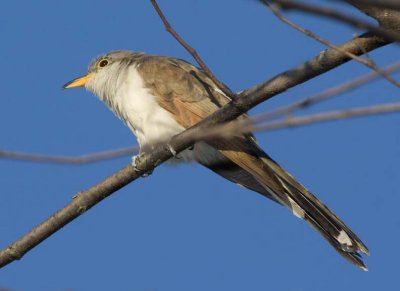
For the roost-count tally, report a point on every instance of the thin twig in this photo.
(333, 14)
(84, 159)
(369, 63)
(240, 126)
(331, 92)
(328, 116)
(193, 52)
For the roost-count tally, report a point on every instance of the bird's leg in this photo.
(135, 161)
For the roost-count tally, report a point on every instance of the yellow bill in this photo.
(78, 82)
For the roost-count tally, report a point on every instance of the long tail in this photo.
(282, 187)
(308, 207)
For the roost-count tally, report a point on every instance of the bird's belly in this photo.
(139, 109)
(156, 131)
(152, 128)
(160, 127)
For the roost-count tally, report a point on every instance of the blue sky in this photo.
(184, 228)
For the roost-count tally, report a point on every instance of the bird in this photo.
(158, 97)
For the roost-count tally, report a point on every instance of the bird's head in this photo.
(104, 72)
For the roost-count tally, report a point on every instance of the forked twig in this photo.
(369, 63)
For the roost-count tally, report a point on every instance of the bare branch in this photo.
(328, 116)
(388, 18)
(321, 96)
(84, 159)
(239, 126)
(333, 14)
(367, 62)
(81, 203)
(193, 52)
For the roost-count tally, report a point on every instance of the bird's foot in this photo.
(136, 161)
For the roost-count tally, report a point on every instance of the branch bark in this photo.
(388, 18)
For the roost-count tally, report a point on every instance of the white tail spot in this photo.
(344, 239)
(296, 209)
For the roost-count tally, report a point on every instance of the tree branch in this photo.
(393, 4)
(84, 159)
(392, 35)
(388, 18)
(241, 126)
(322, 63)
(367, 62)
(328, 116)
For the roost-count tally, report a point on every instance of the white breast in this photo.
(137, 107)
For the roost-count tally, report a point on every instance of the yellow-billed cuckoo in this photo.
(158, 97)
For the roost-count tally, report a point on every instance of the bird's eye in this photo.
(103, 63)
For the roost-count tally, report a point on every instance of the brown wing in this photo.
(186, 87)
(190, 96)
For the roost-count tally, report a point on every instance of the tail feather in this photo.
(282, 187)
(328, 225)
